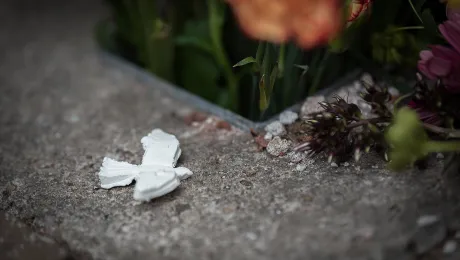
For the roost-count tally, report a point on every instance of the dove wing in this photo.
(160, 149)
(150, 185)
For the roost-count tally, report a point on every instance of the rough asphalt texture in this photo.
(62, 111)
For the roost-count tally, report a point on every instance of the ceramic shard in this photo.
(153, 184)
(160, 149)
(183, 173)
(114, 173)
(156, 176)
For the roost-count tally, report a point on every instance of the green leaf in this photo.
(429, 22)
(195, 34)
(263, 102)
(245, 61)
(273, 77)
(304, 68)
(260, 52)
(193, 42)
(198, 73)
(417, 8)
(216, 14)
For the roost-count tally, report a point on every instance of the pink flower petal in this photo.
(451, 32)
(452, 85)
(423, 69)
(439, 67)
(445, 53)
(426, 55)
(453, 14)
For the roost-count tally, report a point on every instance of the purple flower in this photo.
(443, 62)
(425, 115)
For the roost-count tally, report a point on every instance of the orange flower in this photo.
(308, 22)
(358, 7)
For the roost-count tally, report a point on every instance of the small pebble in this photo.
(357, 85)
(275, 128)
(375, 166)
(268, 136)
(440, 156)
(278, 146)
(295, 157)
(366, 77)
(393, 91)
(300, 167)
(427, 220)
(449, 247)
(346, 164)
(288, 117)
(335, 165)
(251, 236)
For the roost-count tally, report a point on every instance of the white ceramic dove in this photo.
(156, 176)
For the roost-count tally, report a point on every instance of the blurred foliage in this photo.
(198, 45)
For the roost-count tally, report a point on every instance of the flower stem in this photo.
(406, 28)
(281, 58)
(401, 98)
(450, 133)
(376, 120)
(436, 146)
(215, 27)
(415, 11)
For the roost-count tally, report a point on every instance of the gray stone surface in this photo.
(19, 242)
(62, 111)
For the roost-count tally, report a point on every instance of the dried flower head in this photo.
(378, 97)
(339, 131)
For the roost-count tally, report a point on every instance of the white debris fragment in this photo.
(394, 91)
(335, 165)
(449, 247)
(275, 128)
(301, 167)
(156, 176)
(288, 117)
(427, 220)
(278, 146)
(268, 136)
(367, 78)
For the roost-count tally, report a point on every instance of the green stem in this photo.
(449, 133)
(319, 74)
(260, 53)
(401, 98)
(215, 27)
(407, 28)
(436, 146)
(415, 11)
(281, 60)
(232, 81)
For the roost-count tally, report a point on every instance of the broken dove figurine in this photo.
(156, 176)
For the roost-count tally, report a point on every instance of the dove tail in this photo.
(114, 173)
